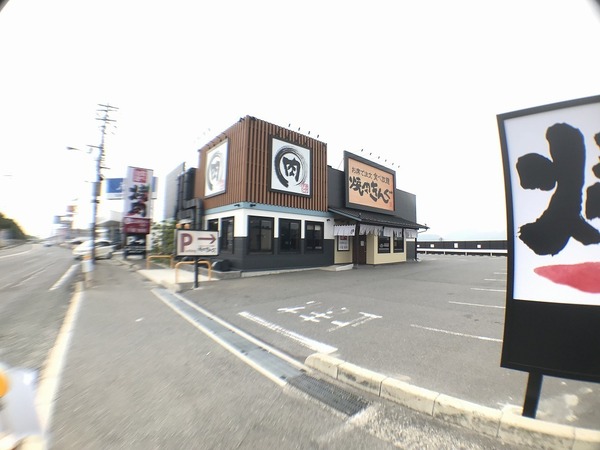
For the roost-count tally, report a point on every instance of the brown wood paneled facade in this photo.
(249, 167)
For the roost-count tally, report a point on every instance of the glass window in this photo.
(398, 244)
(313, 236)
(260, 234)
(383, 244)
(213, 225)
(289, 235)
(227, 234)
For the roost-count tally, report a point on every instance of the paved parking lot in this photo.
(437, 324)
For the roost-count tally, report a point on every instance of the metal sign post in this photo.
(532, 394)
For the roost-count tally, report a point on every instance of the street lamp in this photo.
(95, 193)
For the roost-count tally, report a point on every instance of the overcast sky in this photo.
(413, 83)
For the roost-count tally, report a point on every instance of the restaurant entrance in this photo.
(362, 249)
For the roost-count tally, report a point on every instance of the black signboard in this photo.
(551, 157)
(135, 244)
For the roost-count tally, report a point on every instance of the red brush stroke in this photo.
(584, 276)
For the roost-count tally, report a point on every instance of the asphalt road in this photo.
(437, 324)
(137, 375)
(35, 289)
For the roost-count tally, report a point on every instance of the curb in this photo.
(506, 426)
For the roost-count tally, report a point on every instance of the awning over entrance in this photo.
(377, 219)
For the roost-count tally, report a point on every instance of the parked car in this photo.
(104, 249)
(76, 241)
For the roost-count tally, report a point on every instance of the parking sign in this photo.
(197, 243)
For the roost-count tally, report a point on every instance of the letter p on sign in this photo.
(185, 239)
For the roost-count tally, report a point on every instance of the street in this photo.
(35, 289)
(136, 375)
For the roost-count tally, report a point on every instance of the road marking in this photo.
(64, 278)
(15, 254)
(309, 318)
(477, 304)
(494, 279)
(316, 317)
(52, 371)
(291, 310)
(454, 333)
(232, 328)
(488, 290)
(366, 317)
(302, 340)
(29, 277)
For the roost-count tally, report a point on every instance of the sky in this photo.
(413, 84)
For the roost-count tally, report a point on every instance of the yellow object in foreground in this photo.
(4, 383)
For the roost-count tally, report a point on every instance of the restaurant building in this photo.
(276, 204)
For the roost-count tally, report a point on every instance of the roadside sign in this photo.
(551, 168)
(197, 243)
(551, 172)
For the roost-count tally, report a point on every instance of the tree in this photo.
(163, 238)
(14, 230)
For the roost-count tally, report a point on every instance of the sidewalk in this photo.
(505, 423)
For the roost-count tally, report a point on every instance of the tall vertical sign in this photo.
(551, 157)
(137, 212)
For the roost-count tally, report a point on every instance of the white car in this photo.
(104, 249)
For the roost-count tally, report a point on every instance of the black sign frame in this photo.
(546, 338)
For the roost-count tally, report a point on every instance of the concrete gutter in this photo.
(504, 425)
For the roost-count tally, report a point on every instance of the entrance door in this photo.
(362, 249)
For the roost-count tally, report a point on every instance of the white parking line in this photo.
(454, 333)
(302, 340)
(488, 290)
(477, 304)
(494, 279)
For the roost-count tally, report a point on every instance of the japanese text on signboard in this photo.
(370, 186)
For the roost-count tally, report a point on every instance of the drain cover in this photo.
(329, 394)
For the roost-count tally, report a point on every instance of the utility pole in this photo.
(105, 110)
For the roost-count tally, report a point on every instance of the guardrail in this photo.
(158, 257)
(463, 251)
(472, 247)
(202, 261)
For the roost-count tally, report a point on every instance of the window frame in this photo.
(307, 240)
(382, 239)
(271, 221)
(287, 223)
(227, 227)
(212, 225)
(399, 249)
